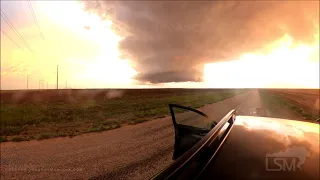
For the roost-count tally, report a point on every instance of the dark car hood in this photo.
(268, 148)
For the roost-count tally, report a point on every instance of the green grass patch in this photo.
(274, 101)
(137, 121)
(10, 130)
(3, 139)
(46, 136)
(19, 138)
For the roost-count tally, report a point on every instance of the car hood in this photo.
(268, 148)
(284, 131)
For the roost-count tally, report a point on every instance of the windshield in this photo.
(86, 85)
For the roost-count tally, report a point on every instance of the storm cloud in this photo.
(170, 41)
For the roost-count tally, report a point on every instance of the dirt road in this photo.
(130, 152)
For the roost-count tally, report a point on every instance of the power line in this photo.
(35, 18)
(11, 39)
(3, 15)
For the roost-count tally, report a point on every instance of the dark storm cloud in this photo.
(173, 76)
(169, 41)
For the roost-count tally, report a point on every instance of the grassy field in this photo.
(307, 99)
(27, 115)
(304, 102)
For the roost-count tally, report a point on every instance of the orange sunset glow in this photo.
(287, 65)
(86, 50)
(87, 58)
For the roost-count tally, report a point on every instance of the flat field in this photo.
(41, 114)
(303, 101)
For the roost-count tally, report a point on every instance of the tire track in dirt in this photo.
(125, 172)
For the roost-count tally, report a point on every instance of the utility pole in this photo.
(57, 76)
(41, 84)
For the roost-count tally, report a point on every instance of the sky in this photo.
(143, 44)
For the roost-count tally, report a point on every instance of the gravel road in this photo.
(130, 152)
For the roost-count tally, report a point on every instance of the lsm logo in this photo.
(289, 160)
